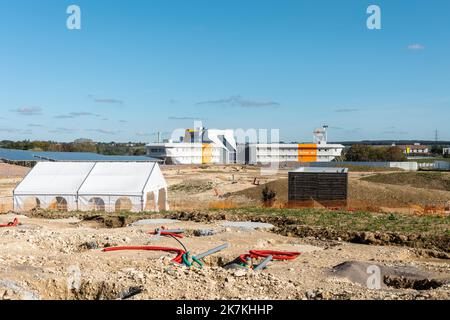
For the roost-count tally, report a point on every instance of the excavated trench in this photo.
(105, 291)
(436, 246)
(397, 277)
(399, 282)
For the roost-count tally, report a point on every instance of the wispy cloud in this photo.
(144, 134)
(63, 130)
(416, 47)
(104, 131)
(346, 110)
(64, 116)
(394, 132)
(81, 114)
(185, 118)
(105, 100)
(76, 115)
(238, 101)
(28, 111)
(15, 130)
(108, 100)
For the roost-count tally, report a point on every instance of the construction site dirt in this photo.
(59, 255)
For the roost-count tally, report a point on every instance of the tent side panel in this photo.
(109, 203)
(23, 203)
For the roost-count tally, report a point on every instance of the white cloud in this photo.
(28, 111)
(416, 47)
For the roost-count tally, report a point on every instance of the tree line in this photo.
(81, 145)
(360, 152)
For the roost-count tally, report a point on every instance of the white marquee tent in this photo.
(86, 186)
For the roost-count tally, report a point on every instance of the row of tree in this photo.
(81, 145)
(360, 152)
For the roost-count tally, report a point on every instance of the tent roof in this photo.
(118, 178)
(91, 178)
(50, 178)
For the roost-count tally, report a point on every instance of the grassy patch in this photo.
(426, 180)
(192, 186)
(358, 221)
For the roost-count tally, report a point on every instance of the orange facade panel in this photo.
(307, 152)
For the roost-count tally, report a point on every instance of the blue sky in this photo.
(138, 67)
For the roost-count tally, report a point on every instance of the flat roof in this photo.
(321, 170)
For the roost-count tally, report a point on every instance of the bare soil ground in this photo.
(58, 255)
(62, 259)
(12, 171)
(10, 176)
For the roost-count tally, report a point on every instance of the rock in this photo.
(204, 232)
(91, 245)
(314, 294)
(240, 273)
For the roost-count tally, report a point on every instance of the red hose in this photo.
(277, 255)
(178, 258)
(165, 233)
(15, 223)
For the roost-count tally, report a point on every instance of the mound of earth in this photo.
(254, 193)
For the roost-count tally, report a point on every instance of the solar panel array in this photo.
(27, 155)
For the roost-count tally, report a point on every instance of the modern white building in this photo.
(198, 146)
(266, 153)
(210, 146)
(92, 186)
(318, 151)
(414, 150)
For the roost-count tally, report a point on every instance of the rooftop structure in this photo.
(321, 170)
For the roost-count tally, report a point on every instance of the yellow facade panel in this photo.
(207, 153)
